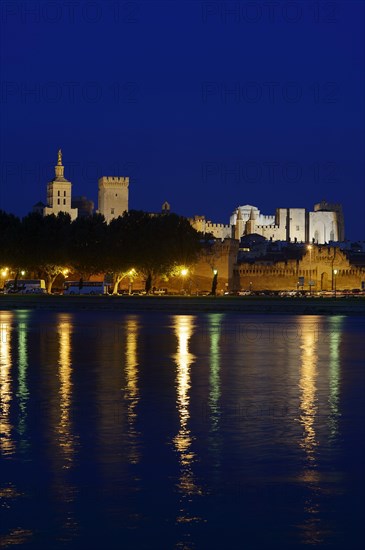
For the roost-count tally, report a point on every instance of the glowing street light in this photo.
(22, 273)
(131, 273)
(183, 272)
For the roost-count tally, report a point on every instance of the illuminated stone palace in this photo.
(321, 226)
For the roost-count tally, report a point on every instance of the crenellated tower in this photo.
(112, 196)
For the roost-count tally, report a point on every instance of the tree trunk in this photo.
(148, 285)
(117, 279)
(115, 287)
(49, 283)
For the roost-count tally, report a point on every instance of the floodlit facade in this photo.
(112, 197)
(59, 193)
(321, 226)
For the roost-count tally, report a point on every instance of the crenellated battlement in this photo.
(112, 181)
(216, 226)
(273, 226)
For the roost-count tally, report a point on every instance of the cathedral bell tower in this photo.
(59, 192)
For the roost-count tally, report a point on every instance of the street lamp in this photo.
(310, 268)
(4, 274)
(183, 273)
(334, 280)
(131, 273)
(22, 273)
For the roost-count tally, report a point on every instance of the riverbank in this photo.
(187, 304)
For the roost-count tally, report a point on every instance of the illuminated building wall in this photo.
(59, 193)
(113, 197)
(317, 265)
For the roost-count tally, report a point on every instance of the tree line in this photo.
(153, 245)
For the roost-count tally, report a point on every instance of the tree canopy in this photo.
(152, 245)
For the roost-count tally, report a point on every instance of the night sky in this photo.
(208, 105)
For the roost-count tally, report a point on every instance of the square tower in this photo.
(112, 197)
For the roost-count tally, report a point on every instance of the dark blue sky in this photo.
(208, 105)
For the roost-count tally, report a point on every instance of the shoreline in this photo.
(189, 304)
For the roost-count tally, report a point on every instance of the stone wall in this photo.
(317, 265)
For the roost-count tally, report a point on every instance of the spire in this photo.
(238, 228)
(252, 215)
(59, 168)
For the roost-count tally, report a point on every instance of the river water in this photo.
(159, 431)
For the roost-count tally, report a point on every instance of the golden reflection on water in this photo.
(184, 327)
(319, 339)
(65, 436)
(307, 384)
(15, 537)
(311, 527)
(6, 442)
(132, 390)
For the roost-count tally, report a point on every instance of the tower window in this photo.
(64, 193)
(58, 193)
(64, 201)
(116, 194)
(58, 201)
(297, 227)
(112, 211)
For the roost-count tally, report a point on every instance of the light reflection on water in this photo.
(66, 437)
(92, 424)
(187, 485)
(6, 441)
(335, 327)
(23, 318)
(132, 390)
(215, 321)
(307, 385)
(312, 529)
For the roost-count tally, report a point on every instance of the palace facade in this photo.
(322, 225)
